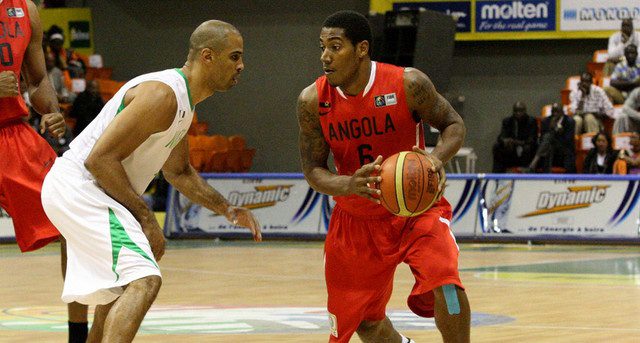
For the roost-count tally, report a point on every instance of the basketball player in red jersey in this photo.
(363, 111)
(25, 157)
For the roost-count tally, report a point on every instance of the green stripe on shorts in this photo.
(119, 239)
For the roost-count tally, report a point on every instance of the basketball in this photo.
(408, 186)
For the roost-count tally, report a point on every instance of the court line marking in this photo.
(585, 328)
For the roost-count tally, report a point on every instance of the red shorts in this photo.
(25, 159)
(362, 255)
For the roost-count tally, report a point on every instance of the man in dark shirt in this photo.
(86, 106)
(557, 146)
(516, 143)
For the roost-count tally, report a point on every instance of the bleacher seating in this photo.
(218, 153)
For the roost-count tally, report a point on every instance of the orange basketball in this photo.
(408, 185)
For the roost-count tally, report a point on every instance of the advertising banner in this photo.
(463, 194)
(515, 16)
(596, 15)
(6, 226)
(560, 208)
(282, 206)
(525, 19)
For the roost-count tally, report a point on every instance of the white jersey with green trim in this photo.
(146, 160)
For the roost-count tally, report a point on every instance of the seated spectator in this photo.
(517, 141)
(633, 157)
(57, 81)
(589, 105)
(601, 157)
(65, 59)
(629, 118)
(86, 106)
(557, 147)
(618, 42)
(626, 76)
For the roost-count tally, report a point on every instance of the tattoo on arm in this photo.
(314, 150)
(419, 92)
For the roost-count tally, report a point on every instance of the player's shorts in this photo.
(362, 255)
(25, 159)
(106, 248)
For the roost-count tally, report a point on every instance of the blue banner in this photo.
(515, 15)
(459, 10)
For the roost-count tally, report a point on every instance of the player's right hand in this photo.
(54, 122)
(8, 84)
(154, 234)
(363, 180)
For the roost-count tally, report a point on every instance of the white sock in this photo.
(406, 340)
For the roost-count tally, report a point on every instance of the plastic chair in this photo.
(600, 56)
(571, 83)
(237, 142)
(196, 153)
(621, 141)
(219, 154)
(201, 128)
(108, 88)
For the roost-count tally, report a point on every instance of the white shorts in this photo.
(106, 248)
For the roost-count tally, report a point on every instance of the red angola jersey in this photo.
(361, 127)
(15, 35)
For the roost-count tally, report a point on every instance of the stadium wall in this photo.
(282, 57)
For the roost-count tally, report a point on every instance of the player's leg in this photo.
(126, 314)
(452, 313)
(432, 253)
(78, 321)
(378, 331)
(358, 274)
(99, 316)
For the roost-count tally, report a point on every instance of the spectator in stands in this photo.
(600, 158)
(625, 77)
(618, 42)
(589, 105)
(557, 147)
(517, 141)
(629, 119)
(86, 106)
(57, 81)
(65, 59)
(633, 157)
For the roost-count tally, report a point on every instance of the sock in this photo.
(406, 340)
(78, 332)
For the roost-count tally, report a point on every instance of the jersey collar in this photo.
(367, 88)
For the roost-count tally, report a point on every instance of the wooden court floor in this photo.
(274, 292)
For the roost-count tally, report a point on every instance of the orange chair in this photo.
(198, 155)
(220, 151)
(237, 142)
(621, 141)
(570, 84)
(240, 158)
(108, 88)
(98, 73)
(596, 65)
(201, 128)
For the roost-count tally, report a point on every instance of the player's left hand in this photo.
(243, 217)
(54, 122)
(436, 166)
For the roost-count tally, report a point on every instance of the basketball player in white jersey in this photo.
(92, 193)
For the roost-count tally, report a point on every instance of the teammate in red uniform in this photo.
(31, 157)
(363, 111)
